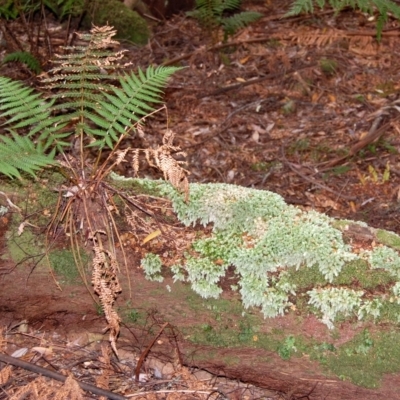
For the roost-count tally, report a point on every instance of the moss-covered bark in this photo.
(128, 23)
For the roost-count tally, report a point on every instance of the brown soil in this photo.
(282, 133)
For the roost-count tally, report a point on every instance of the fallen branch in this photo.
(59, 377)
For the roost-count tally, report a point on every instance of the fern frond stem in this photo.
(47, 244)
(75, 247)
(54, 217)
(46, 256)
(73, 171)
(100, 174)
(47, 36)
(8, 33)
(128, 200)
(66, 209)
(81, 137)
(78, 261)
(115, 228)
(28, 30)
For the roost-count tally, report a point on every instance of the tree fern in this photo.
(368, 6)
(87, 104)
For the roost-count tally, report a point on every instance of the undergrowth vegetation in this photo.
(383, 7)
(213, 17)
(30, 53)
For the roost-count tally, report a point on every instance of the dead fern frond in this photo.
(5, 374)
(70, 390)
(363, 45)
(103, 380)
(106, 286)
(171, 168)
(3, 342)
(40, 388)
(317, 37)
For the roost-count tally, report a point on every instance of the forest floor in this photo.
(306, 107)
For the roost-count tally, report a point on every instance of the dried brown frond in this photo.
(317, 37)
(102, 37)
(103, 380)
(70, 390)
(363, 45)
(5, 374)
(121, 154)
(106, 286)
(3, 342)
(162, 159)
(38, 389)
(172, 169)
(135, 160)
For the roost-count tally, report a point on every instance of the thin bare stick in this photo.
(146, 352)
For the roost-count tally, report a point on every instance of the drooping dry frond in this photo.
(106, 286)
(103, 380)
(121, 154)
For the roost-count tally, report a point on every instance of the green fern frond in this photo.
(19, 153)
(117, 112)
(21, 105)
(210, 14)
(206, 14)
(8, 10)
(26, 58)
(300, 6)
(238, 21)
(221, 6)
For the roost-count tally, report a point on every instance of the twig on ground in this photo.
(312, 180)
(193, 391)
(59, 377)
(146, 352)
(373, 135)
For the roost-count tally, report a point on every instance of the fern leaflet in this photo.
(238, 21)
(19, 153)
(26, 58)
(122, 107)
